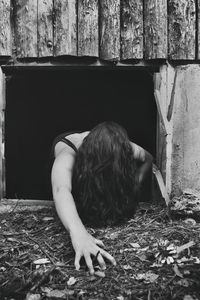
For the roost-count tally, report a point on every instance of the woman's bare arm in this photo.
(83, 243)
(145, 160)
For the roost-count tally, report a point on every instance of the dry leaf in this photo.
(183, 282)
(149, 277)
(47, 219)
(188, 297)
(30, 296)
(61, 294)
(71, 281)
(120, 298)
(177, 272)
(184, 247)
(127, 267)
(135, 245)
(41, 261)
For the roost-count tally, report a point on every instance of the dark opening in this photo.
(42, 104)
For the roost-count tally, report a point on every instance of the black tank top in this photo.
(63, 138)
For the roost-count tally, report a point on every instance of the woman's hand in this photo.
(86, 246)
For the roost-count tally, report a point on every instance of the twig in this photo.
(41, 248)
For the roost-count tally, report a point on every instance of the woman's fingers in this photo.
(77, 261)
(99, 243)
(101, 262)
(89, 263)
(108, 256)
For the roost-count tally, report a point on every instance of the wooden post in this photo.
(164, 82)
(155, 25)
(45, 28)
(65, 27)
(5, 28)
(132, 29)
(88, 28)
(2, 141)
(182, 29)
(110, 30)
(25, 27)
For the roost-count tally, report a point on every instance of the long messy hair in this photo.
(104, 182)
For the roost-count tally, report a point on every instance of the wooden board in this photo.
(5, 28)
(45, 28)
(198, 29)
(186, 128)
(2, 141)
(182, 28)
(155, 24)
(110, 29)
(88, 37)
(25, 27)
(132, 29)
(65, 27)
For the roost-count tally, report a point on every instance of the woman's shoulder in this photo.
(76, 138)
(138, 152)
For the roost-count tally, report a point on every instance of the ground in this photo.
(157, 258)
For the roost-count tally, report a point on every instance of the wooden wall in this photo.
(108, 29)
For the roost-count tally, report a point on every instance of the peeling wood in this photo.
(65, 27)
(132, 29)
(25, 27)
(5, 28)
(171, 105)
(155, 24)
(45, 28)
(2, 140)
(110, 30)
(182, 28)
(88, 37)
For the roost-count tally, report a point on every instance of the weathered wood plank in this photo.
(182, 24)
(110, 29)
(25, 27)
(198, 29)
(88, 39)
(5, 28)
(2, 140)
(45, 28)
(186, 128)
(132, 29)
(155, 26)
(65, 27)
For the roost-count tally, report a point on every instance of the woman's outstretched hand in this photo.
(85, 245)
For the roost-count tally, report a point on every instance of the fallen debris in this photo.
(156, 259)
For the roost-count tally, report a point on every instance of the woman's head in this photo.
(104, 176)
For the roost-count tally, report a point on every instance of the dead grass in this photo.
(142, 248)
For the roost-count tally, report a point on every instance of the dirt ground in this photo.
(157, 258)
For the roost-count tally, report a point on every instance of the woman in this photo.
(95, 179)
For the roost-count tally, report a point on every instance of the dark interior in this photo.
(42, 104)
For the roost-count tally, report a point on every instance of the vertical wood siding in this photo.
(25, 25)
(155, 24)
(182, 29)
(5, 28)
(132, 29)
(45, 28)
(88, 38)
(110, 29)
(65, 27)
(2, 141)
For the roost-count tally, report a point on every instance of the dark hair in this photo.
(104, 182)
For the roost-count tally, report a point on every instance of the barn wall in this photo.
(186, 128)
(111, 30)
